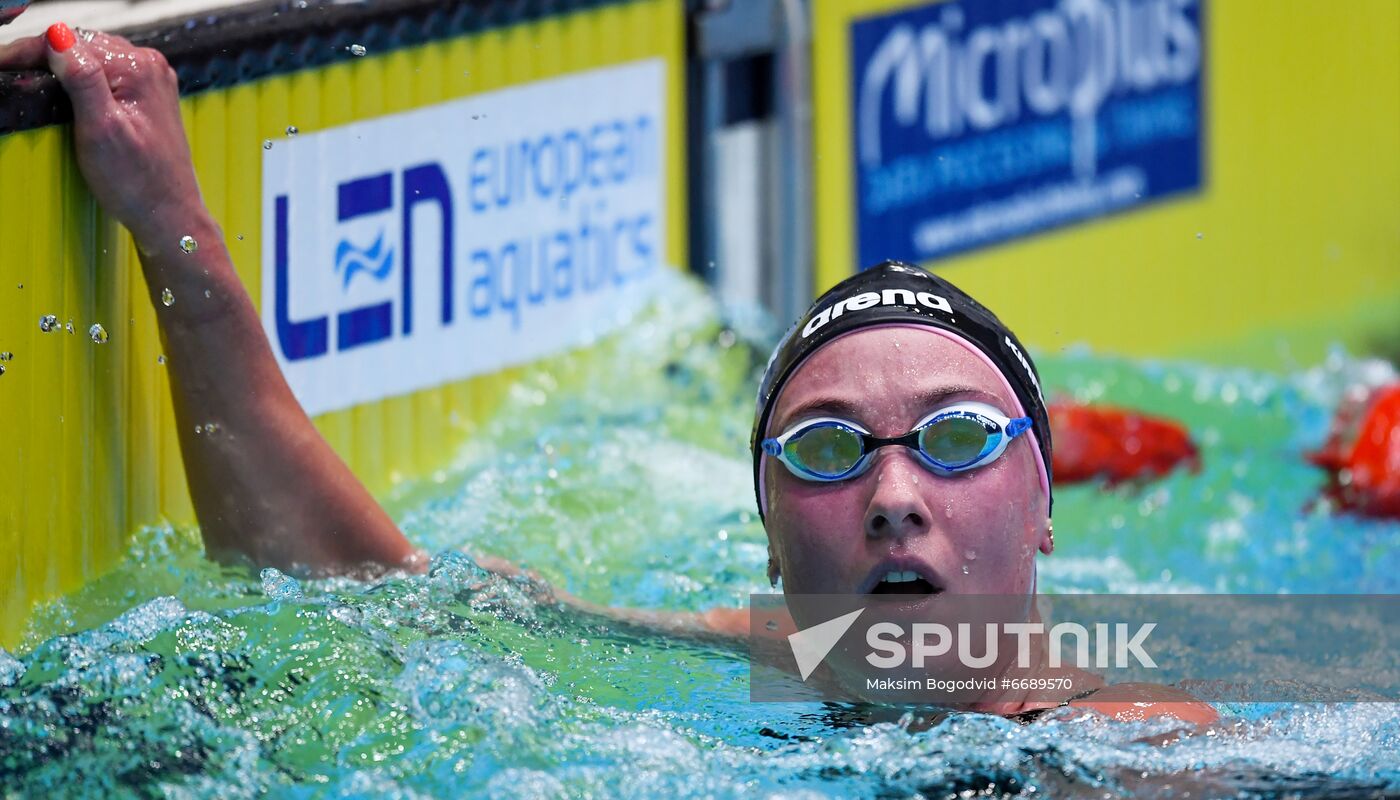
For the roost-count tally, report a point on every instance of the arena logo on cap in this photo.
(864, 300)
(1026, 365)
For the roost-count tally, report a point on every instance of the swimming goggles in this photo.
(953, 439)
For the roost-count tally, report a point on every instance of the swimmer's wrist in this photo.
(165, 226)
(195, 276)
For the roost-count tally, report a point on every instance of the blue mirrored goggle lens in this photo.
(825, 450)
(955, 441)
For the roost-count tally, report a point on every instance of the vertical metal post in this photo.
(770, 39)
(790, 288)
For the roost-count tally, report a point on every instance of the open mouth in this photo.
(900, 582)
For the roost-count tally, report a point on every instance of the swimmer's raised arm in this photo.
(265, 484)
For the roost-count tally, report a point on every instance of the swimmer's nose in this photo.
(897, 508)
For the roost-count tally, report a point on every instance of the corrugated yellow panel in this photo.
(73, 253)
(47, 388)
(243, 158)
(668, 31)
(113, 478)
(18, 331)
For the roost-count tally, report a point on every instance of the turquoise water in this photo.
(176, 677)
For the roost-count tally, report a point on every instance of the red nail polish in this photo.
(60, 37)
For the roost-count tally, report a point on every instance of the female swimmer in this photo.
(900, 425)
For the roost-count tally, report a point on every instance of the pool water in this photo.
(177, 677)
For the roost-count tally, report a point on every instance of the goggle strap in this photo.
(1017, 427)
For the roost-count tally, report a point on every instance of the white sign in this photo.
(421, 248)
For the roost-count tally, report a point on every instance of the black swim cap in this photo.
(898, 293)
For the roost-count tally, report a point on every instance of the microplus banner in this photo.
(975, 122)
(411, 250)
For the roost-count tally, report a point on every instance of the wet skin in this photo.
(272, 492)
(831, 538)
(842, 537)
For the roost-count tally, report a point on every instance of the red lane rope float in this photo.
(1362, 453)
(1116, 444)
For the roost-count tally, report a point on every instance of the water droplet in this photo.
(2, 369)
(211, 427)
(346, 615)
(292, 130)
(167, 298)
(771, 624)
(207, 293)
(97, 333)
(7, 356)
(964, 569)
(279, 586)
(48, 322)
(188, 244)
(267, 144)
(239, 237)
(69, 326)
(970, 554)
(1200, 235)
(160, 359)
(198, 429)
(357, 50)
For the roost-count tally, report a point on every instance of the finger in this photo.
(122, 60)
(107, 42)
(78, 67)
(31, 52)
